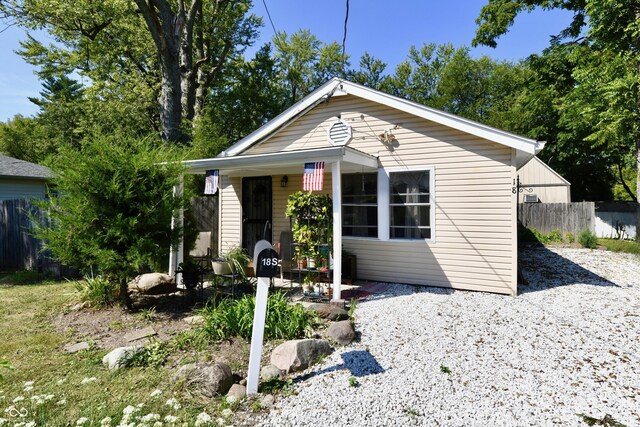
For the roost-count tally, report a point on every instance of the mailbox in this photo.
(265, 260)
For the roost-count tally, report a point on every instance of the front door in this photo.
(256, 211)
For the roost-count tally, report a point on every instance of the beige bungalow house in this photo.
(440, 205)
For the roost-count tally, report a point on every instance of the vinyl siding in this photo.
(544, 182)
(230, 213)
(21, 189)
(474, 236)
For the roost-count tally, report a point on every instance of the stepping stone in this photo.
(140, 333)
(327, 311)
(194, 320)
(74, 348)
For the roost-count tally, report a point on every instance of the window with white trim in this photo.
(410, 205)
(360, 204)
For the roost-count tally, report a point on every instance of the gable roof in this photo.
(14, 168)
(526, 148)
(536, 160)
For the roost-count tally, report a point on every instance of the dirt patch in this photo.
(107, 327)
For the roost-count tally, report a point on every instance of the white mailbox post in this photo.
(265, 262)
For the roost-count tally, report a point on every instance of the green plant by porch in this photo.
(313, 222)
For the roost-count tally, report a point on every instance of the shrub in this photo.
(555, 236)
(235, 318)
(154, 354)
(587, 239)
(97, 291)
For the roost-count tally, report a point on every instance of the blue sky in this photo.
(386, 29)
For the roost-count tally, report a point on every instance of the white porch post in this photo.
(176, 256)
(337, 230)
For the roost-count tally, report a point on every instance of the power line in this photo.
(344, 41)
(275, 33)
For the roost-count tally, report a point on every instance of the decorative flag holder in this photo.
(265, 260)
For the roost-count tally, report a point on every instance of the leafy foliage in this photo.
(98, 291)
(113, 207)
(235, 318)
(587, 239)
(153, 354)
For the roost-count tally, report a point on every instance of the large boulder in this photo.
(119, 357)
(298, 355)
(341, 332)
(327, 311)
(153, 284)
(209, 379)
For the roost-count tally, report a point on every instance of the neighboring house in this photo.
(541, 184)
(22, 180)
(420, 196)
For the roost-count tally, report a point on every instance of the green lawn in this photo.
(615, 245)
(53, 388)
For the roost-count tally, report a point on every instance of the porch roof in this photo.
(284, 161)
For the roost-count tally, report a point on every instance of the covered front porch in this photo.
(253, 192)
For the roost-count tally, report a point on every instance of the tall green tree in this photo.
(608, 84)
(173, 50)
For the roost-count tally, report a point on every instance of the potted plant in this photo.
(220, 266)
(239, 260)
(309, 281)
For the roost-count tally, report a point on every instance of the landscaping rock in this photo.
(267, 401)
(140, 333)
(153, 284)
(327, 311)
(270, 372)
(341, 332)
(74, 348)
(209, 379)
(298, 355)
(119, 357)
(237, 391)
(194, 320)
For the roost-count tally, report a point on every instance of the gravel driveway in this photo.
(569, 344)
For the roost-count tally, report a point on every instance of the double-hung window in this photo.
(360, 204)
(410, 205)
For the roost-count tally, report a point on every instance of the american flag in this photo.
(211, 181)
(313, 177)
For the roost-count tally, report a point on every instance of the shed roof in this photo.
(15, 168)
(525, 147)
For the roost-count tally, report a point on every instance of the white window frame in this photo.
(384, 206)
(377, 205)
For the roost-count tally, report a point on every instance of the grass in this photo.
(56, 388)
(615, 245)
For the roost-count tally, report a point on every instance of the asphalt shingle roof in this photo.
(10, 167)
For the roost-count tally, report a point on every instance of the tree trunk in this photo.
(171, 103)
(125, 299)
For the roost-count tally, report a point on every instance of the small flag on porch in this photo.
(211, 181)
(313, 177)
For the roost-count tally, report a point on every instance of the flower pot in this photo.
(221, 267)
(302, 264)
(311, 263)
(317, 289)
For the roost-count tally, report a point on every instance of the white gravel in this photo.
(569, 344)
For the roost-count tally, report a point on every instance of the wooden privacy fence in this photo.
(566, 217)
(18, 248)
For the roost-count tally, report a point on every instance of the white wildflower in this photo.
(30, 424)
(150, 417)
(203, 419)
(173, 402)
(28, 388)
(88, 380)
(61, 381)
(82, 421)
(48, 397)
(38, 400)
(170, 419)
(158, 424)
(227, 413)
(18, 399)
(156, 392)
(29, 383)
(19, 425)
(220, 421)
(61, 402)
(3, 421)
(129, 410)
(105, 422)
(140, 405)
